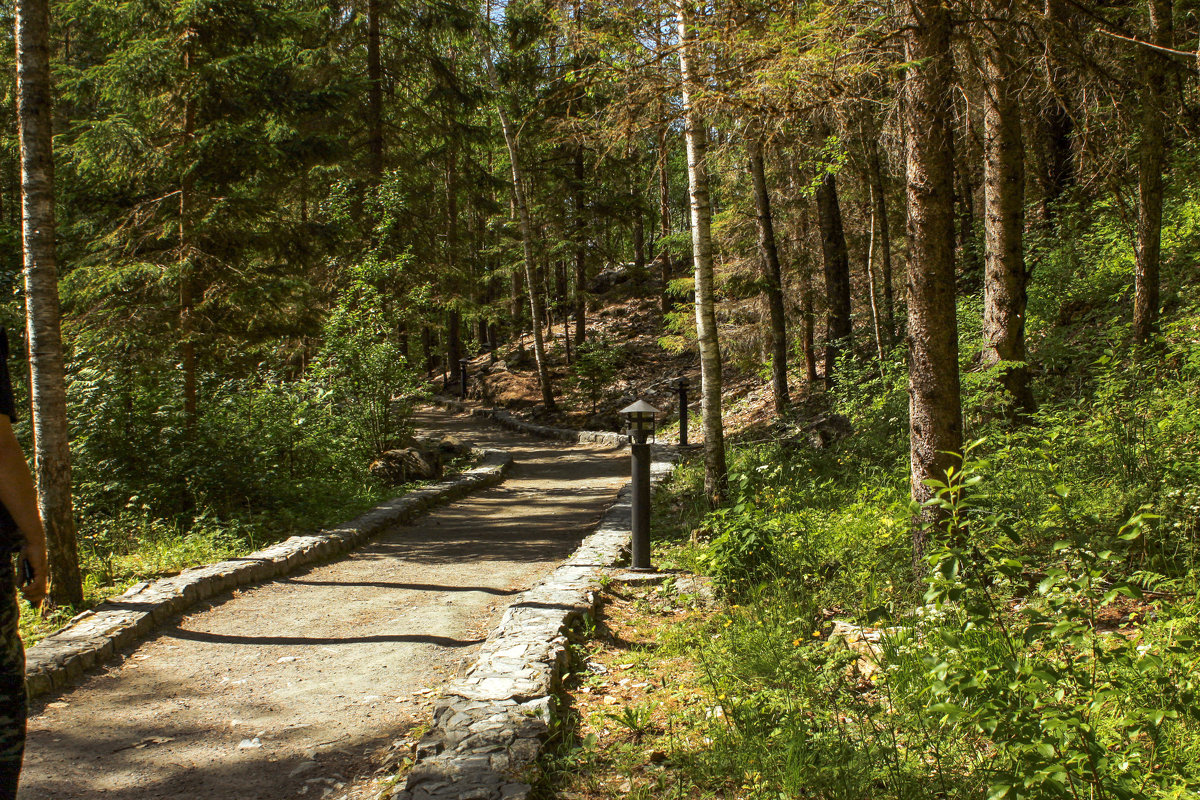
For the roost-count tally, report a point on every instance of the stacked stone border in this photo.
(61, 659)
(490, 724)
(515, 423)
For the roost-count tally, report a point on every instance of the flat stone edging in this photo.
(490, 724)
(513, 422)
(60, 660)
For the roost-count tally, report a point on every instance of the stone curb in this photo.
(512, 422)
(60, 660)
(491, 723)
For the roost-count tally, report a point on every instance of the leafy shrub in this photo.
(595, 367)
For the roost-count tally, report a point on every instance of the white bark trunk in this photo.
(715, 477)
(52, 456)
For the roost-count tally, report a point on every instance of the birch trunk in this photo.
(664, 217)
(52, 455)
(715, 476)
(883, 233)
(870, 276)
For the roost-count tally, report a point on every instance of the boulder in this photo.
(453, 447)
(406, 464)
(827, 430)
(605, 422)
(609, 277)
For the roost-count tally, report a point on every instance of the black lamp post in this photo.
(462, 379)
(641, 416)
(681, 386)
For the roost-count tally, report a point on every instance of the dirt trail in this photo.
(290, 687)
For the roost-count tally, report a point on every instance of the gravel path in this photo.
(297, 686)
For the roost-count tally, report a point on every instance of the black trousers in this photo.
(13, 702)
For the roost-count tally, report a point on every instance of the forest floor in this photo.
(318, 684)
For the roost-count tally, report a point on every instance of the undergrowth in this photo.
(1046, 647)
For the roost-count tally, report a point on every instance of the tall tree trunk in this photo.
(639, 236)
(427, 348)
(804, 263)
(536, 293)
(968, 246)
(374, 95)
(837, 275)
(454, 345)
(935, 409)
(638, 227)
(52, 455)
(664, 217)
(1005, 276)
(869, 269)
(187, 333)
(715, 475)
(1151, 159)
(517, 289)
(884, 237)
(454, 348)
(772, 274)
(1054, 125)
(580, 250)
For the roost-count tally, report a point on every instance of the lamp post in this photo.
(681, 386)
(640, 418)
(462, 379)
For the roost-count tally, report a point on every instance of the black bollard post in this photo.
(462, 379)
(681, 386)
(641, 417)
(640, 522)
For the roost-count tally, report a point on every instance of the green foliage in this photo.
(1050, 652)
(1060, 705)
(270, 453)
(361, 364)
(595, 367)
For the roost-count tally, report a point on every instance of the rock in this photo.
(604, 422)
(863, 641)
(453, 447)
(609, 277)
(400, 466)
(827, 430)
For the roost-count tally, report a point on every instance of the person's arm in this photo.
(20, 498)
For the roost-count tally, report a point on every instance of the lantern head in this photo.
(640, 420)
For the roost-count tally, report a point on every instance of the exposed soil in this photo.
(648, 371)
(303, 686)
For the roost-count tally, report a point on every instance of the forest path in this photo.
(287, 688)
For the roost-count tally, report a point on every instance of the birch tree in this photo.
(52, 456)
(715, 477)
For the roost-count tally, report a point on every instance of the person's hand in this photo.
(35, 590)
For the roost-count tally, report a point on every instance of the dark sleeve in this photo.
(7, 405)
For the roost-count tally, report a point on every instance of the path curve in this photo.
(290, 688)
